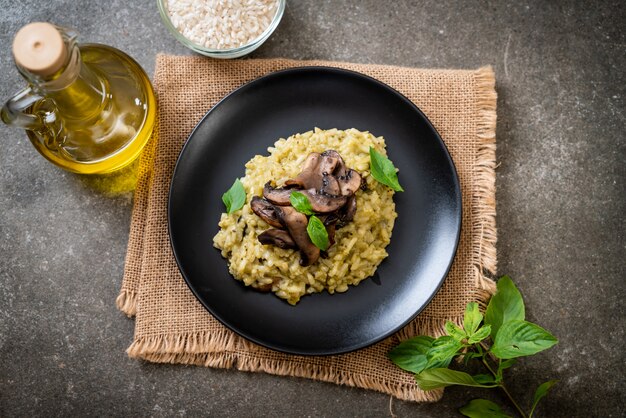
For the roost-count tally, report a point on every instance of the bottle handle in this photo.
(13, 111)
(45, 120)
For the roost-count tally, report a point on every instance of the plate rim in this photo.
(457, 192)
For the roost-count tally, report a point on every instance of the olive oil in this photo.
(94, 114)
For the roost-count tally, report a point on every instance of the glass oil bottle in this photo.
(88, 108)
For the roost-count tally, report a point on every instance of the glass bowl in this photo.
(222, 53)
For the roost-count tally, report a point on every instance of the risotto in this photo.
(359, 245)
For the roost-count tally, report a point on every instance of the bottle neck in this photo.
(66, 72)
(78, 91)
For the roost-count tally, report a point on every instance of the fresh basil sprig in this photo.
(317, 233)
(383, 170)
(301, 203)
(235, 197)
(495, 340)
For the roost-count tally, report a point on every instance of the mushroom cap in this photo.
(277, 237)
(276, 195)
(317, 173)
(330, 185)
(348, 210)
(322, 203)
(266, 211)
(350, 182)
(303, 180)
(296, 224)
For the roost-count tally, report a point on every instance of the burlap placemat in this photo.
(172, 326)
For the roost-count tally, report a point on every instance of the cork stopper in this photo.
(39, 48)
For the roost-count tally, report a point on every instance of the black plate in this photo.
(278, 105)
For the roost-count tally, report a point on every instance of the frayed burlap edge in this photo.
(126, 302)
(227, 350)
(484, 190)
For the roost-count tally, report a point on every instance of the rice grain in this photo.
(221, 24)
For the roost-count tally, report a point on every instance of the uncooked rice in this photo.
(221, 24)
(360, 245)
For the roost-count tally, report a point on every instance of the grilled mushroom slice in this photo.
(322, 203)
(329, 162)
(276, 195)
(308, 176)
(349, 182)
(330, 230)
(334, 154)
(329, 218)
(347, 212)
(317, 173)
(266, 211)
(277, 237)
(296, 224)
(330, 185)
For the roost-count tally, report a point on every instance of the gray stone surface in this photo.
(561, 201)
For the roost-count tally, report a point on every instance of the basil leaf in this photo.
(454, 331)
(383, 170)
(482, 408)
(472, 318)
(410, 355)
(442, 351)
(235, 197)
(482, 333)
(301, 203)
(317, 233)
(483, 378)
(440, 378)
(541, 391)
(505, 305)
(521, 338)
